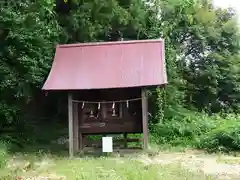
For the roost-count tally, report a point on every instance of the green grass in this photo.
(101, 168)
(228, 160)
(105, 168)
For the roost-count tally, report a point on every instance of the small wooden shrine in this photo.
(106, 85)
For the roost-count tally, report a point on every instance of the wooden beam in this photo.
(145, 119)
(70, 125)
(75, 127)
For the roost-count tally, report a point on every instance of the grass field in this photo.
(156, 164)
(100, 168)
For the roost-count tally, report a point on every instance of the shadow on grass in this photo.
(39, 149)
(61, 151)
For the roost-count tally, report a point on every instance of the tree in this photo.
(202, 48)
(97, 20)
(207, 41)
(29, 33)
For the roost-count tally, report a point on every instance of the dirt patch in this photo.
(195, 162)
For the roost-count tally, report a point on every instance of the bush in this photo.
(187, 128)
(182, 129)
(224, 137)
(3, 154)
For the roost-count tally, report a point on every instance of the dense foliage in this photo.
(202, 54)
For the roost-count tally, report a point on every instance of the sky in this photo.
(228, 3)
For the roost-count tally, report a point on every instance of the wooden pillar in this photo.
(145, 119)
(125, 140)
(70, 125)
(81, 142)
(75, 127)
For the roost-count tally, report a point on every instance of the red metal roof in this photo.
(107, 65)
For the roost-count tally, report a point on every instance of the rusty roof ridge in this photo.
(108, 43)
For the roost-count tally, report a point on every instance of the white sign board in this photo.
(107, 144)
